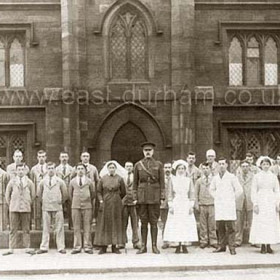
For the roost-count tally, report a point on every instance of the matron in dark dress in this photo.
(109, 231)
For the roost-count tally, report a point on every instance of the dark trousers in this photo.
(18, 219)
(130, 211)
(226, 233)
(149, 214)
(163, 217)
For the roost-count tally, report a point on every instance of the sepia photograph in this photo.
(139, 139)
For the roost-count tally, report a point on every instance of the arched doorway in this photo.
(126, 126)
(126, 144)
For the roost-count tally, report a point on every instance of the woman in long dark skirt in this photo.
(110, 191)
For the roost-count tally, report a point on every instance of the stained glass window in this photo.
(235, 63)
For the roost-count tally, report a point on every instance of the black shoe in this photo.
(74, 252)
(184, 249)
(220, 249)
(39, 252)
(90, 252)
(136, 246)
(232, 251)
(62, 251)
(121, 246)
(155, 250)
(263, 249)
(203, 246)
(237, 245)
(7, 253)
(102, 251)
(216, 246)
(165, 246)
(143, 250)
(178, 250)
(269, 250)
(115, 250)
(31, 252)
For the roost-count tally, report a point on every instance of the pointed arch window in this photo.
(128, 47)
(235, 63)
(253, 62)
(271, 67)
(253, 59)
(12, 61)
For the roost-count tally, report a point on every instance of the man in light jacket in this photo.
(20, 194)
(53, 193)
(225, 188)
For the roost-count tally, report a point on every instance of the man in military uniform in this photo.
(148, 184)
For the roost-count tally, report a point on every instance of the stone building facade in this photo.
(106, 75)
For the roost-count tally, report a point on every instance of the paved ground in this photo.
(128, 262)
(251, 274)
(197, 259)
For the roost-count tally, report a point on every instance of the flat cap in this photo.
(150, 144)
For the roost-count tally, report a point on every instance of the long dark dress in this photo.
(109, 230)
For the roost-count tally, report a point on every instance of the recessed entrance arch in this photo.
(126, 144)
(122, 131)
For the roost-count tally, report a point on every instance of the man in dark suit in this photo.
(148, 184)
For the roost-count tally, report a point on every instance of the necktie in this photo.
(128, 179)
(80, 183)
(21, 184)
(207, 180)
(64, 170)
(50, 183)
(42, 168)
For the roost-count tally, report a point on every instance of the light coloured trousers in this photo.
(59, 229)
(82, 217)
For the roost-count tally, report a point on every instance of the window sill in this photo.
(126, 82)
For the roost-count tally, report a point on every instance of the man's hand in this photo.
(135, 202)
(196, 207)
(101, 206)
(162, 201)
(256, 209)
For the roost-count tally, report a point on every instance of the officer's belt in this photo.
(147, 171)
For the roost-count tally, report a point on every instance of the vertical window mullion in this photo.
(7, 65)
(262, 62)
(128, 55)
(244, 58)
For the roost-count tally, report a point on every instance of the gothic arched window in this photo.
(270, 59)
(128, 47)
(235, 63)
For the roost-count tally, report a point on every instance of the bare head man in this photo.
(51, 169)
(81, 169)
(64, 158)
(222, 165)
(167, 168)
(191, 158)
(129, 166)
(85, 157)
(17, 157)
(41, 157)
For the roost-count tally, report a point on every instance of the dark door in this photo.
(126, 144)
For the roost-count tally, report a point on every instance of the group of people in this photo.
(178, 193)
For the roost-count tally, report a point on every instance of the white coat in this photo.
(225, 190)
